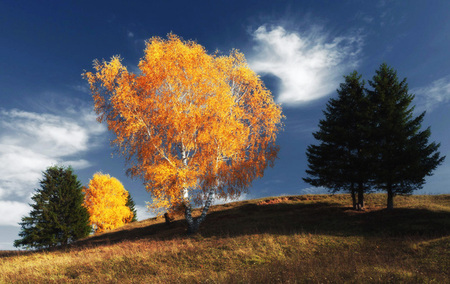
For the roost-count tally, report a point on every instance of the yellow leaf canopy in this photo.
(189, 122)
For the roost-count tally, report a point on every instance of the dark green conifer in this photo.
(130, 203)
(403, 155)
(57, 216)
(341, 160)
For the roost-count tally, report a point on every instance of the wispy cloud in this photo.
(11, 212)
(314, 190)
(82, 87)
(436, 93)
(30, 142)
(218, 201)
(299, 127)
(143, 213)
(309, 65)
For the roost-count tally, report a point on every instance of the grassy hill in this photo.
(291, 239)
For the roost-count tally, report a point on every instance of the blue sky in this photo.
(301, 49)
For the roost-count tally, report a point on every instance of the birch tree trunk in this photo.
(193, 224)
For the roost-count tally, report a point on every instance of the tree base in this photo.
(168, 218)
(360, 207)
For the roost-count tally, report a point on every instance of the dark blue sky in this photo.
(300, 48)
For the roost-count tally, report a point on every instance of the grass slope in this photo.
(292, 239)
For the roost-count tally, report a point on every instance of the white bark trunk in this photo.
(193, 225)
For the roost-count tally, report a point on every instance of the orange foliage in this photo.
(105, 199)
(189, 122)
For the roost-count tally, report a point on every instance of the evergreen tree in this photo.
(130, 203)
(403, 155)
(57, 216)
(342, 159)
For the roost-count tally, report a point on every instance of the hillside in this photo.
(309, 238)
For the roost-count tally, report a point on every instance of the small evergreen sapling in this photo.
(130, 204)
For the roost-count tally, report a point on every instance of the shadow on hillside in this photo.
(291, 218)
(326, 218)
(159, 231)
(319, 217)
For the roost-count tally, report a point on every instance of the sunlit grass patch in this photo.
(302, 239)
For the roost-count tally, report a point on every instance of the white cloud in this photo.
(83, 88)
(30, 142)
(143, 213)
(6, 246)
(309, 65)
(217, 201)
(11, 212)
(437, 93)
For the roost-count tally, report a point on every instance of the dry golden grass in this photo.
(293, 239)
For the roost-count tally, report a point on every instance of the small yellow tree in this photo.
(105, 199)
(193, 126)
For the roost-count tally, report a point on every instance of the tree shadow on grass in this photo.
(318, 217)
(327, 218)
(291, 218)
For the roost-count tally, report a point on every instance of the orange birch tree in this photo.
(193, 126)
(105, 199)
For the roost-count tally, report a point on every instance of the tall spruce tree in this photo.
(403, 155)
(402, 152)
(130, 203)
(57, 216)
(341, 161)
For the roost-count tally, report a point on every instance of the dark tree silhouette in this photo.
(403, 155)
(57, 216)
(341, 160)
